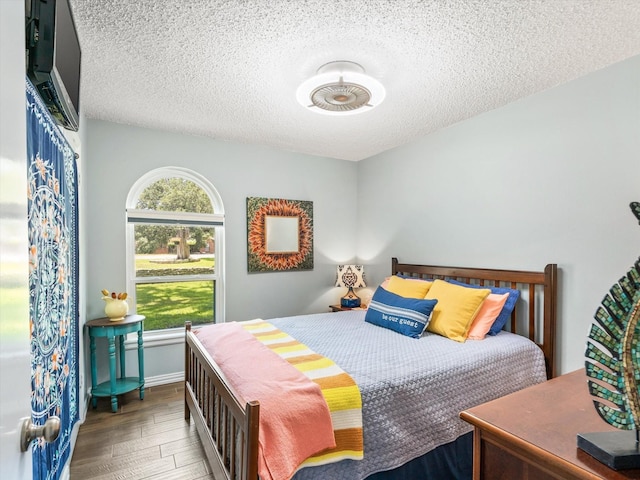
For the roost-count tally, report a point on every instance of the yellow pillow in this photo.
(456, 308)
(408, 287)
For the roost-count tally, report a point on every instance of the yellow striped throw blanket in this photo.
(338, 388)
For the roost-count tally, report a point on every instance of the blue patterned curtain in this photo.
(53, 283)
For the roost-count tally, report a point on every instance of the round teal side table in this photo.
(104, 327)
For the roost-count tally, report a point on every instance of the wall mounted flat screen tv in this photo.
(53, 58)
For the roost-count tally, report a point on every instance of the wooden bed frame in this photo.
(229, 429)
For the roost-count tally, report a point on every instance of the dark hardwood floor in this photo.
(145, 439)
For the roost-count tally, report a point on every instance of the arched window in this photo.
(175, 254)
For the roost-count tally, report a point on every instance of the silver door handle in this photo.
(29, 432)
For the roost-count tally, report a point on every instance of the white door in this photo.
(15, 362)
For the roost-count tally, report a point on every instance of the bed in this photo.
(229, 426)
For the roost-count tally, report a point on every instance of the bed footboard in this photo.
(228, 430)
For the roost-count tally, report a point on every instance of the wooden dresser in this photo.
(531, 434)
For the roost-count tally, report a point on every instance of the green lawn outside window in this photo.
(170, 304)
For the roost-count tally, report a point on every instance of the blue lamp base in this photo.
(350, 300)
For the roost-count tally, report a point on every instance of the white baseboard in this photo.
(148, 382)
(164, 379)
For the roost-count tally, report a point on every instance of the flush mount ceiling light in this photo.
(340, 88)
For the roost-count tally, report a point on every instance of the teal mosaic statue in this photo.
(613, 370)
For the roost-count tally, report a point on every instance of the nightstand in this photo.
(340, 308)
(104, 327)
(533, 434)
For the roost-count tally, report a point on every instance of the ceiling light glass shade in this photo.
(340, 88)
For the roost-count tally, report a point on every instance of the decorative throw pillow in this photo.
(489, 311)
(408, 287)
(509, 305)
(408, 316)
(457, 307)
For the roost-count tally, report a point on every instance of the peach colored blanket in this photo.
(338, 388)
(295, 422)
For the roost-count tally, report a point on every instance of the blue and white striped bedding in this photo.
(412, 389)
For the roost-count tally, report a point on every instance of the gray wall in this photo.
(119, 155)
(547, 179)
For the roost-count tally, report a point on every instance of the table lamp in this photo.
(350, 276)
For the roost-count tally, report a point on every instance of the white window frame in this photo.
(137, 217)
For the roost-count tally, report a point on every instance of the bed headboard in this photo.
(538, 290)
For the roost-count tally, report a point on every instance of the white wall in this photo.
(118, 155)
(547, 179)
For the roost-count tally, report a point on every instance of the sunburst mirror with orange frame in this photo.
(279, 234)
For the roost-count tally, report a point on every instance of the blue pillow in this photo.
(408, 316)
(509, 305)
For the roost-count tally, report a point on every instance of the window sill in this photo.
(158, 338)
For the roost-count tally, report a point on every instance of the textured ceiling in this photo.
(229, 69)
